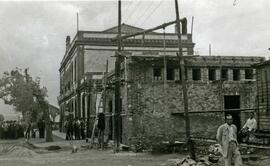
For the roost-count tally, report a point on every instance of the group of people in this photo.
(11, 130)
(227, 138)
(16, 129)
(30, 130)
(75, 129)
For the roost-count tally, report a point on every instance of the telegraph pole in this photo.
(183, 81)
(117, 84)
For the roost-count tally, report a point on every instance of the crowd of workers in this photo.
(75, 129)
(16, 129)
(11, 130)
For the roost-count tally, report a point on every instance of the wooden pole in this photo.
(146, 31)
(192, 25)
(117, 84)
(266, 85)
(77, 21)
(210, 50)
(183, 81)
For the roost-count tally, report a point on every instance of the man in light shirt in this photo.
(227, 138)
(249, 128)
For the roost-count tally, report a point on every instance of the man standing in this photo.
(82, 128)
(101, 128)
(27, 132)
(227, 138)
(40, 128)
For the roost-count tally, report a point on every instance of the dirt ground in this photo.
(18, 153)
(93, 158)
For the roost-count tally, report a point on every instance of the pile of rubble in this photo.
(187, 162)
(214, 154)
(16, 151)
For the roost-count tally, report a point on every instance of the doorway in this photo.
(233, 102)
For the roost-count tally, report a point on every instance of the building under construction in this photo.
(152, 103)
(151, 99)
(263, 92)
(84, 63)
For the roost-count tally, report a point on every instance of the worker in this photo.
(249, 128)
(227, 138)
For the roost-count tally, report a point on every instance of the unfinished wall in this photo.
(157, 108)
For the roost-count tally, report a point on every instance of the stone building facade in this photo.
(84, 63)
(263, 92)
(152, 103)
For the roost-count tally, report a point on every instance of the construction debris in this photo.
(214, 153)
(187, 162)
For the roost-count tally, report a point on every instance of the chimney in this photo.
(67, 42)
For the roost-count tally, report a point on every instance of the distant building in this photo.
(84, 62)
(54, 113)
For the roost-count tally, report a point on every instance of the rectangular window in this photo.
(157, 73)
(196, 74)
(224, 74)
(212, 74)
(248, 73)
(170, 74)
(236, 74)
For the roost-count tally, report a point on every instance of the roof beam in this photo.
(147, 30)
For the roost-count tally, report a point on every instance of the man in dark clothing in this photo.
(41, 128)
(27, 132)
(77, 125)
(101, 128)
(82, 128)
(70, 129)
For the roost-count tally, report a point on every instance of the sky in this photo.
(33, 33)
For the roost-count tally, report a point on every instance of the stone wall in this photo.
(155, 108)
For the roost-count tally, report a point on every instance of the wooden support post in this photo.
(183, 81)
(117, 84)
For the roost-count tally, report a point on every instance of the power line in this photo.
(234, 3)
(128, 6)
(133, 11)
(146, 10)
(148, 16)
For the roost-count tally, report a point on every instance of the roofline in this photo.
(264, 63)
(54, 106)
(103, 32)
(122, 25)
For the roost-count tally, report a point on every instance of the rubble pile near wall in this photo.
(187, 162)
(16, 151)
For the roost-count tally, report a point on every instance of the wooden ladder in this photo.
(100, 107)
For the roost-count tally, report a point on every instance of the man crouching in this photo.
(227, 138)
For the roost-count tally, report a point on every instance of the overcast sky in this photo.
(33, 33)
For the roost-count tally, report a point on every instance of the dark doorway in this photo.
(233, 102)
